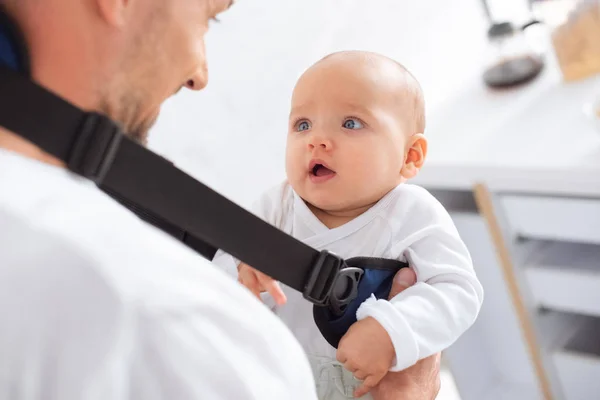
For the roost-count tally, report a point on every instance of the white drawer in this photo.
(566, 277)
(553, 218)
(577, 363)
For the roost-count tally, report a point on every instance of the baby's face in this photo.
(347, 138)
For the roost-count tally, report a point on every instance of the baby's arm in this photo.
(429, 316)
(367, 351)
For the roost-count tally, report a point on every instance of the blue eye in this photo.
(353, 123)
(302, 126)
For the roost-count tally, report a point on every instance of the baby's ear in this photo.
(416, 151)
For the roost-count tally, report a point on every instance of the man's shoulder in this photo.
(178, 311)
(50, 287)
(81, 274)
(57, 216)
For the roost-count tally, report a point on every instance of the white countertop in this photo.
(531, 139)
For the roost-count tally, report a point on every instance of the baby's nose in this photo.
(320, 142)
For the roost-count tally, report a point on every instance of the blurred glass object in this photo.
(513, 59)
(514, 55)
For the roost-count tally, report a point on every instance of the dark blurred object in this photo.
(577, 41)
(512, 59)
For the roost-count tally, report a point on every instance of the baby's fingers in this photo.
(271, 286)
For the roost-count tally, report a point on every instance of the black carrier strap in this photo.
(94, 147)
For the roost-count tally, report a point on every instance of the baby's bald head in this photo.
(386, 75)
(361, 115)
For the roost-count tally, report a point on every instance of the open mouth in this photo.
(320, 170)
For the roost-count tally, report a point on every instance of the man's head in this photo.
(120, 57)
(356, 131)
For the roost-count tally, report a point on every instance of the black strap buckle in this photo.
(331, 282)
(345, 289)
(95, 147)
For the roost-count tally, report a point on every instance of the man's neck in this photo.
(12, 142)
(53, 75)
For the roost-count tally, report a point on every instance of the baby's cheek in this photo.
(367, 173)
(376, 178)
(292, 165)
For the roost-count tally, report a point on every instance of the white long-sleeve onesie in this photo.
(407, 224)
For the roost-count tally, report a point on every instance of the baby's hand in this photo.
(367, 351)
(258, 282)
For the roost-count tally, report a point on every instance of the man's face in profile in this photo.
(164, 51)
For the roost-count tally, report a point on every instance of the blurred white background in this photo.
(232, 134)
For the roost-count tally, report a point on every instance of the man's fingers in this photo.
(404, 278)
(271, 286)
(421, 381)
(369, 383)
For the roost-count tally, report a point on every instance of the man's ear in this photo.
(113, 11)
(415, 156)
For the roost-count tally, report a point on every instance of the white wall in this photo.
(232, 135)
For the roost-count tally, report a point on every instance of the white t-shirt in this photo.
(97, 304)
(407, 224)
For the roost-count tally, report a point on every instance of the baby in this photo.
(355, 137)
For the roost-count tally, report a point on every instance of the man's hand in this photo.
(419, 382)
(257, 282)
(367, 351)
(422, 380)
